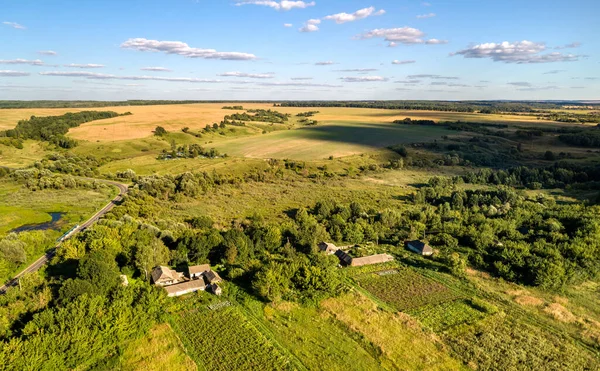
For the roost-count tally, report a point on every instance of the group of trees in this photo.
(590, 138)
(260, 115)
(69, 163)
(307, 114)
(37, 179)
(189, 151)
(531, 241)
(53, 128)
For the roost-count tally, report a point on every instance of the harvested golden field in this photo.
(195, 116)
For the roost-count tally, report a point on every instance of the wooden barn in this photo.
(419, 247)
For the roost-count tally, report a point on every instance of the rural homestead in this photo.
(198, 278)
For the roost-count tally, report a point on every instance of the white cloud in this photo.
(520, 83)
(183, 49)
(301, 78)
(36, 62)
(288, 25)
(403, 62)
(363, 78)
(428, 76)
(407, 81)
(403, 35)
(10, 73)
(569, 46)
(340, 18)
(436, 42)
(306, 84)
(426, 4)
(156, 69)
(279, 5)
(15, 25)
(310, 26)
(248, 75)
(101, 76)
(48, 52)
(428, 15)
(520, 52)
(359, 70)
(325, 63)
(88, 65)
(554, 72)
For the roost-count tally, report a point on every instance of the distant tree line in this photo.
(54, 128)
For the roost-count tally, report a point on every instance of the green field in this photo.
(336, 139)
(405, 289)
(224, 339)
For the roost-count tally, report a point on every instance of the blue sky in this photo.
(321, 49)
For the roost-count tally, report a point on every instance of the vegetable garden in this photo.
(406, 289)
(224, 339)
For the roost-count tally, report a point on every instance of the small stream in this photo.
(52, 224)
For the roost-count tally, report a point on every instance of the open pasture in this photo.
(406, 289)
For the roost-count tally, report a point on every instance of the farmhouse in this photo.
(163, 276)
(345, 259)
(372, 259)
(419, 247)
(185, 288)
(196, 271)
(329, 248)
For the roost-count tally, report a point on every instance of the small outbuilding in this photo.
(212, 277)
(419, 247)
(163, 276)
(345, 259)
(328, 248)
(185, 288)
(215, 289)
(196, 271)
(372, 259)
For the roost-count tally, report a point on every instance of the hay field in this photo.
(195, 116)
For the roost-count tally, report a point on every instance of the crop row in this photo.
(224, 339)
(406, 290)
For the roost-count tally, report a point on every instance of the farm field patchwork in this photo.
(224, 339)
(318, 340)
(400, 339)
(405, 289)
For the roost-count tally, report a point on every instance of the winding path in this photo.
(42, 260)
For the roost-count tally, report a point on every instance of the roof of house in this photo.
(421, 246)
(344, 258)
(195, 269)
(185, 286)
(372, 259)
(325, 246)
(164, 273)
(212, 276)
